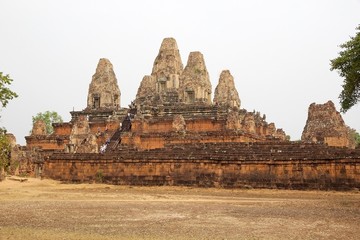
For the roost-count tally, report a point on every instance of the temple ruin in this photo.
(175, 133)
(325, 125)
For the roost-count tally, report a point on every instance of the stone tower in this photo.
(104, 92)
(163, 83)
(39, 128)
(225, 91)
(167, 66)
(146, 91)
(195, 85)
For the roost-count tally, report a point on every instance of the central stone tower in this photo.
(167, 66)
(170, 83)
(194, 81)
(104, 92)
(163, 83)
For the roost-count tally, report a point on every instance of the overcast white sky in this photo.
(278, 51)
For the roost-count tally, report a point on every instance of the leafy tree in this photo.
(357, 139)
(5, 93)
(49, 118)
(348, 66)
(354, 137)
(5, 96)
(5, 149)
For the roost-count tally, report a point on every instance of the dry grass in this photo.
(46, 209)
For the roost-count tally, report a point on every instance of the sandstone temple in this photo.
(178, 132)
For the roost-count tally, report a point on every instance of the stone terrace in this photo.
(260, 165)
(231, 151)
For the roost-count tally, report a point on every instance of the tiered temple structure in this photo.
(172, 95)
(172, 105)
(173, 133)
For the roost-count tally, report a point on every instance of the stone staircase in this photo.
(115, 140)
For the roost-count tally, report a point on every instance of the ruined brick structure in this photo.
(174, 133)
(230, 165)
(25, 162)
(325, 125)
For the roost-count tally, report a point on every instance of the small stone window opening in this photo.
(96, 101)
(190, 96)
(175, 81)
(116, 98)
(162, 86)
(205, 95)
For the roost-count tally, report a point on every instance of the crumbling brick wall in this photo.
(259, 165)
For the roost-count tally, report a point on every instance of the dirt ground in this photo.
(46, 209)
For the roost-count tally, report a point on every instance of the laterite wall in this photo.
(340, 174)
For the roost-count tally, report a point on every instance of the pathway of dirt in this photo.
(46, 209)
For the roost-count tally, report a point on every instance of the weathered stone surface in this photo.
(168, 61)
(179, 124)
(167, 69)
(23, 161)
(11, 138)
(225, 91)
(281, 135)
(195, 85)
(271, 129)
(88, 145)
(275, 164)
(104, 91)
(146, 91)
(249, 123)
(325, 125)
(233, 120)
(80, 127)
(81, 137)
(163, 84)
(39, 128)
